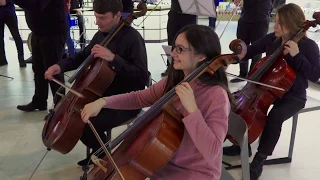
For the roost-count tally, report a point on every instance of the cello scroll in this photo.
(239, 49)
(142, 11)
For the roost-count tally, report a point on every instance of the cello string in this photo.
(100, 150)
(104, 148)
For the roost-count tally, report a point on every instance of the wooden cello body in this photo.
(64, 127)
(154, 137)
(254, 101)
(151, 149)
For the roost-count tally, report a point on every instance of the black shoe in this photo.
(22, 64)
(22, 61)
(29, 60)
(31, 107)
(3, 63)
(236, 80)
(85, 162)
(234, 150)
(256, 166)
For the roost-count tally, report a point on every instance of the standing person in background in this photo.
(75, 6)
(278, 3)
(47, 21)
(127, 7)
(8, 17)
(70, 42)
(213, 20)
(252, 25)
(176, 21)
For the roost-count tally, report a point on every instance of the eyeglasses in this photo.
(180, 49)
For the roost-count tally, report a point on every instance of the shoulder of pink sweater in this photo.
(211, 92)
(219, 96)
(211, 97)
(162, 83)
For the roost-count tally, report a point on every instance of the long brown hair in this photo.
(204, 41)
(292, 18)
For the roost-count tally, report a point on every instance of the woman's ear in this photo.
(200, 57)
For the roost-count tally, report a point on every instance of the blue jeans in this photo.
(69, 41)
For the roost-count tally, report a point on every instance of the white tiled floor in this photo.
(21, 147)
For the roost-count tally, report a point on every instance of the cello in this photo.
(149, 143)
(253, 101)
(64, 127)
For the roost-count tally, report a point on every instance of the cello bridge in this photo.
(100, 163)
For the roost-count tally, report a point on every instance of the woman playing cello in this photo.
(205, 106)
(289, 20)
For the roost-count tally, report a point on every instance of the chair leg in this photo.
(109, 139)
(88, 151)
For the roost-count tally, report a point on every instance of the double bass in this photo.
(149, 143)
(253, 101)
(64, 127)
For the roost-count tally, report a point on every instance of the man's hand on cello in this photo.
(102, 52)
(51, 71)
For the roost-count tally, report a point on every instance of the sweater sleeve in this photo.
(137, 99)
(307, 64)
(209, 130)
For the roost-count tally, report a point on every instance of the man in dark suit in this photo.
(252, 25)
(47, 21)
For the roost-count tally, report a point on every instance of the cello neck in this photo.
(90, 58)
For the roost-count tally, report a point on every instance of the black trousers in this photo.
(282, 110)
(249, 33)
(12, 23)
(46, 51)
(81, 31)
(105, 120)
(177, 21)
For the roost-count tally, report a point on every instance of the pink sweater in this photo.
(199, 155)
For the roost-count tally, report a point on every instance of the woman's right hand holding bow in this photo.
(92, 109)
